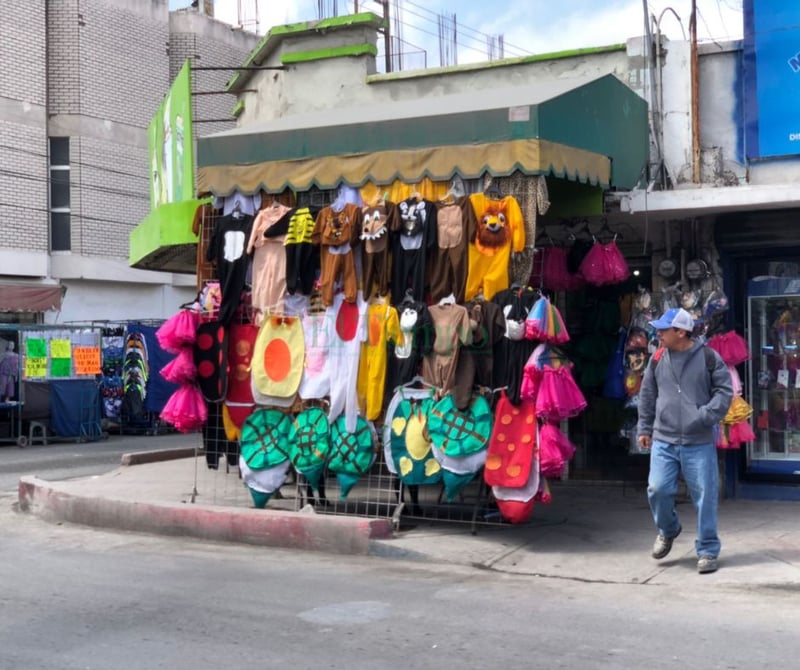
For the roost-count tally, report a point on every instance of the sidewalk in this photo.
(589, 532)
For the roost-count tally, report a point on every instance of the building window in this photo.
(59, 194)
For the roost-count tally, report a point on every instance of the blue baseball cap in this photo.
(674, 318)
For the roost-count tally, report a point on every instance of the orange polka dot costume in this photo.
(500, 230)
(512, 445)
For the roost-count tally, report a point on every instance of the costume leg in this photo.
(700, 470)
(349, 277)
(662, 485)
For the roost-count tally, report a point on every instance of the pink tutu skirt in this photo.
(185, 409)
(733, 436)
(604, 264)
(555, 450)
(731, 347)
(555, 274)
(181, 369)
(179, 330)
(559, 396)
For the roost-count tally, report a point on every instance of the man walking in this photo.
(686, 391)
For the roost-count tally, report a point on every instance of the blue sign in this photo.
(772, 77)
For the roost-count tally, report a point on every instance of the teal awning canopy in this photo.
(592, 131)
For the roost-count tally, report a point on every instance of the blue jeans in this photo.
(698, 463)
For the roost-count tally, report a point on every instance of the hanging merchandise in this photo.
(383, 327)
(239, 401)
(452, 330)
(413, 226)
(411, 452)
(604, 264)
(264, 456)
(513, 350)
(337, 232)
(447, 263)
(316, 380)
(731, 347)
(555, 450)
(375, 248)
(614, 383)
(135, 372)
(406, 392)
(476, 360)
(512, 444)
(499, 231)
(266, 246)
(555, 276)
(278, 356)
(418, 335)
(227, 249)
(735, 427)
(544, 323)
(181, 369)
(211, 359)
(460, 435)
(179, 331)
(516, 504)
(348, 332)
(549, 383)
(310, 444)
(352, 453)
(302, 257)
(185, 409)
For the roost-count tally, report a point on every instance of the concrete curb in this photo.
(290, 530)
(157, 455)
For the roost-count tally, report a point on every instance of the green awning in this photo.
(164, 240)
(592, 131)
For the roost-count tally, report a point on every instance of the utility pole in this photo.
(695, 74)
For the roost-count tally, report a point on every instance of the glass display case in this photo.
(773, 376)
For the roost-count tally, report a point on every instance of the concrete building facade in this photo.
(84, 79)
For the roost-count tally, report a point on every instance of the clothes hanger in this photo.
(493, 191)
(408, 298)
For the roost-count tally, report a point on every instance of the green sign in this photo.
(169, 144)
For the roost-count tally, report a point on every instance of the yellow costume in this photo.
(500, 230)
(383, 325)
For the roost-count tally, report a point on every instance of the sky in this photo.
(527, 26)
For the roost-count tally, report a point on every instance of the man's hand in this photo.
(645, 442)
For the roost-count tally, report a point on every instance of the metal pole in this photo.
(387, 40)
(695, 96)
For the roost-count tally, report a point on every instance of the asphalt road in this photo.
(66, 460)
(75, 598)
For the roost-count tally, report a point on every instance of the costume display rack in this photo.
(54, 401)
(378, 494)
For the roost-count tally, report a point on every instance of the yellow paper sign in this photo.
(35, 367)
(60, 349)
(87, 360)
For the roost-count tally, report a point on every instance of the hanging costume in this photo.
(227, 250)
(512, 444)
(337, 233)
(447, 262)
(418, 333)
(316, 380)
(452, 329)
(269, 260)
(352, 452)
(513, 350)
(264, 460)
(348, 322)
(302, 257)
(278, 357)
(375, 249)
(413, 227)
(239, 401)
(500, 229)
(411, 452)
(383, 326)
(476, 360)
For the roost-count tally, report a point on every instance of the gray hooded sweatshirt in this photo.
(684, 405)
